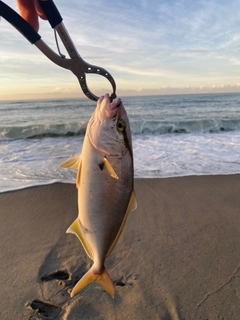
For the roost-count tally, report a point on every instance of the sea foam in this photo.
(172, 136)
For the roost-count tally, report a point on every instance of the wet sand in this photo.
(178, 257)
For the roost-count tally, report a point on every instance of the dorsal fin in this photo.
(132, 205)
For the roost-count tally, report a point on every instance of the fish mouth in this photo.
(107, 109)
(113, 109)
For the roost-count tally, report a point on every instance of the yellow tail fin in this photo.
(103, 278)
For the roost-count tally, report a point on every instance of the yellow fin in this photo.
(79, 174)
(132, 205)
(71, 162)
(102, 278)
(75, 228)
(110, 169)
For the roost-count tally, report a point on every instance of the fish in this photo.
(105, 183)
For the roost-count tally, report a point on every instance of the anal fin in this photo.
(75, 228)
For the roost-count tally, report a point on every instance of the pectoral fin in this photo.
(110, 169)
(132, 205)
(71, 162)
(75, 228)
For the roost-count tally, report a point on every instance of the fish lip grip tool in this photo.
(75, 63)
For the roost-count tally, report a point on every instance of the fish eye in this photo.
(121, 125)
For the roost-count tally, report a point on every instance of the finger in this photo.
(39, 10)
(28, 12)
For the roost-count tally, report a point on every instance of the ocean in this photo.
(174, 135)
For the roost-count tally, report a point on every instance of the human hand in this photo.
(30, 11)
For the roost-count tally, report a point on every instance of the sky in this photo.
(150, 47)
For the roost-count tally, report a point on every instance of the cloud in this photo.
(143, 44)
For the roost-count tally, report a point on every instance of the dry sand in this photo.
(178, 257)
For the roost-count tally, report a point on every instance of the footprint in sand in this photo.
(55, 293)
(47, 310)
(58, 275)
(127, 282)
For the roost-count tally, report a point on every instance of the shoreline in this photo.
(178, 256)
(135, 179)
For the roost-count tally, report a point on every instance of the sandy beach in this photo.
(178, 257)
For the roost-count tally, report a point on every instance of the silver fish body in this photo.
(105, 187)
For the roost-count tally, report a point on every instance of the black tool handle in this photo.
(19, 23)
(51, 12)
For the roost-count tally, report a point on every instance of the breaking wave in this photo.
(137, 127)
(187, 126)
(42, 131)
